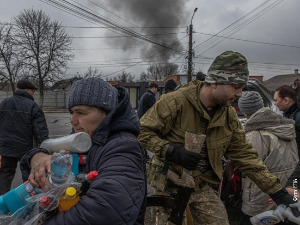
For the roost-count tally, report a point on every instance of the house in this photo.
(133, 90)
(180, 78)
(284, 79)
(64, 84)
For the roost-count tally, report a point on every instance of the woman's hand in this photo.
(40, 166)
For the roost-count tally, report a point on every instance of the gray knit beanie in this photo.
(250, 102)
(93, 92)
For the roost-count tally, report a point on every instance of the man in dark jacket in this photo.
(286, 101)
(148, 99)
(170, 86)
(118, 194)
(21, 121)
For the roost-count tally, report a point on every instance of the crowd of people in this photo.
(266, 149)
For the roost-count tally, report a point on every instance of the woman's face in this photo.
(281, 103)
(86, 118)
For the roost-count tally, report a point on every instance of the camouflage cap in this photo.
(228, 68)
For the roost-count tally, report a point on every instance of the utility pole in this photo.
(190, 55)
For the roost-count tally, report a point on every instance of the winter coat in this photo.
(118, 194)
(146, 102)
(180, 111)
(273, 136)
(294, 113)
(21, 121)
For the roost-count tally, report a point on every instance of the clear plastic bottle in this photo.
(82, 177)
(290, 215)
(69, 199)
(61, 164)
(269, 217)
(15, 199)
(48, 207)
(77, 143)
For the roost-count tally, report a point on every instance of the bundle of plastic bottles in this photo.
(292, 213)
(28, 205)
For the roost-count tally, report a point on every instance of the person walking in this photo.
(22, 122)
(148, 99)
(285, 98)
(170, 86)
(204, 108)
(274, 138)
(118, 193)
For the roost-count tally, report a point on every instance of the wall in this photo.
(59, 99)
(52, 99)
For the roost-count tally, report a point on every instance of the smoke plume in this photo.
(152, 13)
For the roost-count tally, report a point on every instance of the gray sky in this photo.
(266, 32)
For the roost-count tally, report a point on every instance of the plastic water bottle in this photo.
(15, 199)
(290, 215)
(69, 199)
(61, 164)
(77, 143)
(83, 177)
(269, 217)
(48, 207)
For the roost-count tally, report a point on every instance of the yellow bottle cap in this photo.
(70, 192)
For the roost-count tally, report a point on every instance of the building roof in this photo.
(284, 79)
(63, 84)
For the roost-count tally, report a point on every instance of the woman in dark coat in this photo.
(117, 195)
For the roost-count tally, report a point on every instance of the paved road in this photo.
(58, 125)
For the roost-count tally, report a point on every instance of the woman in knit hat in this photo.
(117, 195)
(273, 136)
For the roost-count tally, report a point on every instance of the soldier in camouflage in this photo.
(228, 68)
(204, 107)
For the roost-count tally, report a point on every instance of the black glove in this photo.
(283, 197)
(180, 156)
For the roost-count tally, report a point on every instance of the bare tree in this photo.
(92, 72)
(159, 71)
(143, 76)
(11, 64)
(45, 47)
(124, 77)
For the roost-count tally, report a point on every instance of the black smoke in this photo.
(148, 14)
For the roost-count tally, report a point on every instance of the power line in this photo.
(112, 13)
(239, 24)
(87, 13)
(105, 27)
(142, 60)
(251, 41)
(126, 36)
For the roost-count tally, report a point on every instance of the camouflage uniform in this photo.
(228, 68)
(175, 113)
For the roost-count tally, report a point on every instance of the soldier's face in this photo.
(225, 94)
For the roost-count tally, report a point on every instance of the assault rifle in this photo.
(186, 183)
